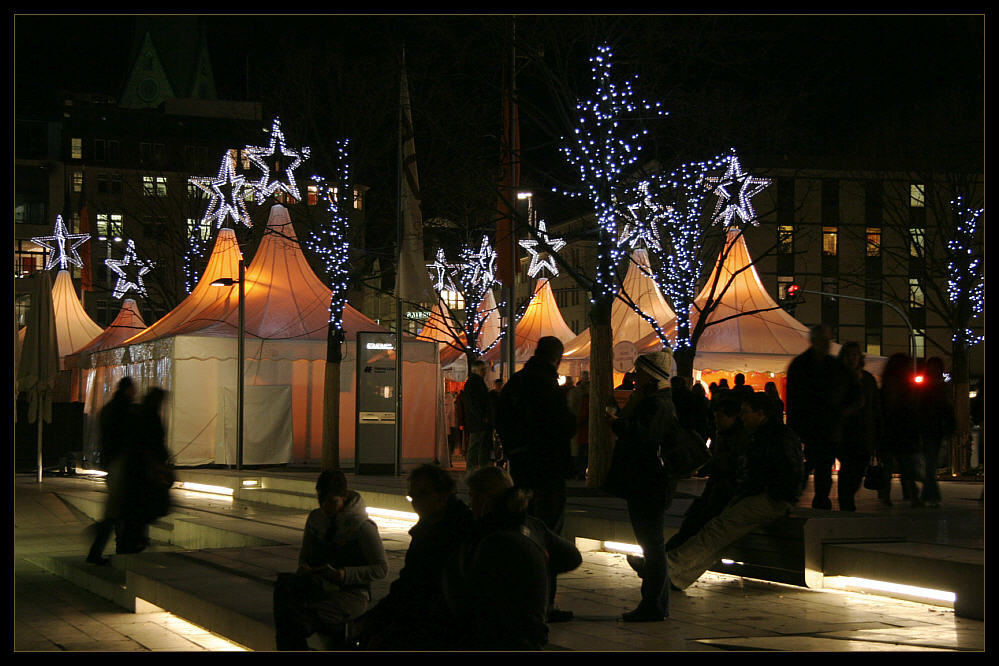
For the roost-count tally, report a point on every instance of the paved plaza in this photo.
(718, 613)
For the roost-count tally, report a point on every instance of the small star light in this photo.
(226, 192)
(554, 245)
(59, 253)
(273, 159)
(734, 191)
(440, 273)
(481, 266)
(125, 283)
(638, 229)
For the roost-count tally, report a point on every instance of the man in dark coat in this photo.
(769, 485)
(536, 427)
(816, 393)
(414, 614)
(478, 418)
(115, 427)
(341, 555)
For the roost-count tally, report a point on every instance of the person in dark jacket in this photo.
(115, 427)
(497, 584)
(536, 427)
(703, 418)
(770, 388)
(728, 448)
(146, 490)
(646, 424)
(936, 410)
(901, 446)
(769, 485)
(478, 418)
(414, 614)
(341, 556)
(861, 426)
(816, 386)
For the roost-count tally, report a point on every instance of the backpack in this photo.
(687, 453)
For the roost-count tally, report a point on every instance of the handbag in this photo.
(687, 453)
(874, 475)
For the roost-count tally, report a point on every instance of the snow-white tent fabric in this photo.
(74, 327)
(192, 352)
(542, 318)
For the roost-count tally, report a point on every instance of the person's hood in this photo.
(348, 522)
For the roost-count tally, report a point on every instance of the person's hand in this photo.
(335, 575)
(611, 413)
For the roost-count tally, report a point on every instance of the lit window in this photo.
(244, 160)
(148, 186)
(916, 297)
(873, 242)
(77, 181)
(76, 148)
(102, 226)
(313, 195)
(873, 341)
(829, 238)
(920, 340)
(783, 282)
(917, 241)
(161, 186)
(115, 228)
(200, 229)
(358, 199)
(917, 195)
(454, 299)
(785, 239)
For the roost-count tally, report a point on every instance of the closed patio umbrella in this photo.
(39, 360)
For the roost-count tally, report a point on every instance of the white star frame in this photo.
(274, 151)
(482, 266)
(637, 230)
(125, 283)
(58, 252)
(226, 195)
(735, 191)
(537, 263)
(440, 273)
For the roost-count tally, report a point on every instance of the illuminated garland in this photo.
(192, 256)
(550, 245)
(269, 158)
(226, 194)
(59, 253)
(124, 283)
(966, 279)
(330, 241)
(641, 228)
(601, 151)
(735, 190)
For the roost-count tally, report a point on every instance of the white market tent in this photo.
(192, 352)
(74, 327)
(542, 318)
(125, 325)
(442, 328)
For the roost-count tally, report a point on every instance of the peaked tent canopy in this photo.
(442, 329)
(74, 327)
(125, 325)
(542, 318)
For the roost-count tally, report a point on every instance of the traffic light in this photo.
(918, 378)
(791, 298)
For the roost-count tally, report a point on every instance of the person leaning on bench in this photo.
(768, 486)
(341, 555)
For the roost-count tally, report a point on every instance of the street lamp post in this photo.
(240, 355)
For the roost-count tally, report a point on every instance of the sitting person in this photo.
(769, 485)
(341, 555)
(727, 449)
(414, 615)
(497, 585)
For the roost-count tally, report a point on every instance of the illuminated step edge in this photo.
(893, 590)
(204, 488)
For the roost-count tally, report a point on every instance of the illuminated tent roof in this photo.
(626, 324)
(441, 328)
(764, 341)
(284, 298)
(542, 318)
(74, 327)
(125, 325)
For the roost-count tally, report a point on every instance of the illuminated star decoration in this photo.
(273, 159)
(554, 245)
(642, 229)
(734, 191)
(480, 269)
(124, 283)
(440, 273)
(226, 192)
(59, 252)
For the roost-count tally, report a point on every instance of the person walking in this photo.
(862, 428)
(115, 421)
(901, 446)
(146, 489)
(816, 385)
(478, 418)
(647, 424)
(937, 422)
(536, 427)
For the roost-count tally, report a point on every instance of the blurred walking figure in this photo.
(579, 405)
(341, 555)
(115, 427)
(901, 446)
(146, 490)
(478, 418)
(816, 385)
(862, 427)
(936, 411)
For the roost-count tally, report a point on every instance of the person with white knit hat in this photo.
(643, 427)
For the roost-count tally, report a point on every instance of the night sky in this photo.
(858, 88)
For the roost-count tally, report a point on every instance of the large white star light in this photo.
(641, 228)
(125, 281)
(480, 268)
(553, 246)
(226, 194)
(58, 252)
(441, 273)
(735, 190)
(276, 159)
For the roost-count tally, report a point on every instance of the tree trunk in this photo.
(601, 438)
(331, 400)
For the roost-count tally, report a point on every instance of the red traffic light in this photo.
(792, 290)
(918, 379)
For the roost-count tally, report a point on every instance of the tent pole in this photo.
(241, 358)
